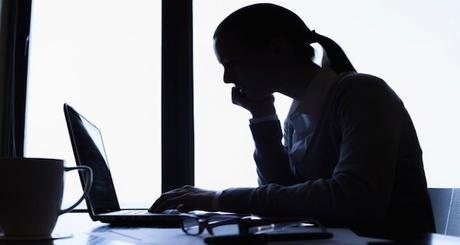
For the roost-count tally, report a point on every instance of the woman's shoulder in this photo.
(359, 89)
(352, 79)
(362, 83)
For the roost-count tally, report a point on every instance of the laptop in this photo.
(102, 201)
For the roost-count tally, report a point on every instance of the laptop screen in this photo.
(89, 150)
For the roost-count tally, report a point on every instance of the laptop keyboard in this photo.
(135, 212)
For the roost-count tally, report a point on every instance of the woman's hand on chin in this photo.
(259, 106)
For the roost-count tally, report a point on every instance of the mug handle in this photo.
(88, 184)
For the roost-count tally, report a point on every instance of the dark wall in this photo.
(14, 35)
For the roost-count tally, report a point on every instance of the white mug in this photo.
(31, 191)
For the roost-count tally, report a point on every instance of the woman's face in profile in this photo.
(247, 67)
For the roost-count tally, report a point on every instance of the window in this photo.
(104, 59)
(412, 45)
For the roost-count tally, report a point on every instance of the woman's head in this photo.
(268, 38)
(256, 26)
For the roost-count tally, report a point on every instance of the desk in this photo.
(85, 231)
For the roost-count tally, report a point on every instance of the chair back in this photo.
(446, 210)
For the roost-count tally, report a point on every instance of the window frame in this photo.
(177, 95)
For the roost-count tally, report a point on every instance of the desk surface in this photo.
(85, 231)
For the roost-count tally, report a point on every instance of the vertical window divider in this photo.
(177, 124)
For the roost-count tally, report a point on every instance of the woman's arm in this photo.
(270, 154)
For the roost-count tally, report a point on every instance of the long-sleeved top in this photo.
(350, 158)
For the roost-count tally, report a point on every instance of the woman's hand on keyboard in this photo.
(185, 199)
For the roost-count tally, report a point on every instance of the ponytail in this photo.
(333, 57)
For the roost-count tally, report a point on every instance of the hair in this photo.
(258, 24)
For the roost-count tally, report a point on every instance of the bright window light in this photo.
(103, 58)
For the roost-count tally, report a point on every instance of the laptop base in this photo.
(132, 221)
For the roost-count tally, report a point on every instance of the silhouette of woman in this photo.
(350, 155)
